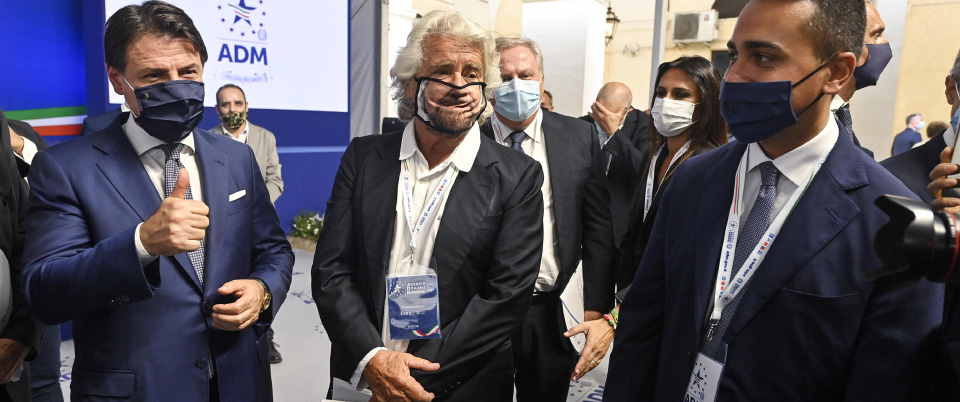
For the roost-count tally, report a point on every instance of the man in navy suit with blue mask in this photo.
(157, 239)
(752, 287)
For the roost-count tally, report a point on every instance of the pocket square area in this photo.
(237, 195)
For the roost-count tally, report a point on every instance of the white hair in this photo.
(504, 43)
(448, 24)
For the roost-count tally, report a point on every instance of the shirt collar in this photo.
(462, 157)
(245, 131)
(796, 164)
(502, 132)
(950, 136)
(143, 142)
(837, 103)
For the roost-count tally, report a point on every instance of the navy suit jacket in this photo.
(809, 327)
(143, 333)
(904, 141)
(97, 122)
(487, 252)
(913, 167)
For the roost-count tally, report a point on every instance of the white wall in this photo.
(571, 36)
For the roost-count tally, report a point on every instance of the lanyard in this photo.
(722, 293)
(430, 208)
(651, 175)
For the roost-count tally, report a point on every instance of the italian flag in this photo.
(52, 122)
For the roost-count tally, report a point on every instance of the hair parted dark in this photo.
(153, 18)
(910, 117)
(710, 130)
(837, 26)
(225, 86)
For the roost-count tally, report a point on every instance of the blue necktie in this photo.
(171, 169)
(758, 221)
(516, 138)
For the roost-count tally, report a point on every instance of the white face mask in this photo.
(672, 117)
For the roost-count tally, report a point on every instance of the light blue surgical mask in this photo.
(517, 99)
(921, 125)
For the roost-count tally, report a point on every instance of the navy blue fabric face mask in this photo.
(755, 111)
(169, 111)
(877, 59)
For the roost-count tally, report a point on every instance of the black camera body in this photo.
(916, 243)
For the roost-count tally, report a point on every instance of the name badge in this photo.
(704, 380)
(414, 307)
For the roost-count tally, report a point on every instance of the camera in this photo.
(917, 242)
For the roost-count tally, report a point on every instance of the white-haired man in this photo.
(420, 296)
(576, 219)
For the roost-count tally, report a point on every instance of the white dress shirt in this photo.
(794, 167)
(243, 133)
(535, 146)
(153, 161)
(424, 182)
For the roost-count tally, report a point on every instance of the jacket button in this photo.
(125, 298)
(200, 363)
(206, 306)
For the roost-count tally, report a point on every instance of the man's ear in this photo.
(116, 80)
(841, 71)
(949, 90)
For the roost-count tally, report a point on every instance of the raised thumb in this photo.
(180, 187)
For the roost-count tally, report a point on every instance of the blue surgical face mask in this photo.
(169, 111)
(517, 99)
(877, 58)
(921, 125)
(755, 111)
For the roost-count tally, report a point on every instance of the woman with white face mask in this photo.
(686, 123)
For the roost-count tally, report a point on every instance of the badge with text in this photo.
(704, 380)
(414, 306)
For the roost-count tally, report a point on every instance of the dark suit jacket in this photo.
(143, 333)
(22, 325)
(635, 240)
(581, 208)
(853, 136)
(629, 153)
(487, 251)
(913, 169)
(809, 327)
(904, 141)
(97, 122)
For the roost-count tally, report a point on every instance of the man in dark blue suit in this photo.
(157, 239)
(761, 301)
(100, 121)
(909, 136)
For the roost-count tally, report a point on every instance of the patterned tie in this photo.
(516, 138)
(843, 114)
(171, 169)
(758, 221)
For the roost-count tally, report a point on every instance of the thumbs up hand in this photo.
(178, 225)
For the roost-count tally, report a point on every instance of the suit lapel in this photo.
(560, 158)
(214, 176)
(123, 169)
(379, 179)
(823, 211)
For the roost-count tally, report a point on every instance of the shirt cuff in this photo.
(142, 254)
(357, 378)
(29, 151)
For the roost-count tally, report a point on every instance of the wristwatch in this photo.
(267, 295)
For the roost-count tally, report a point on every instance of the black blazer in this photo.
(913, 167)
(23, 326)
(97, 122)
(635, 240)
(581, 208)
(628, 151)
(487, 251)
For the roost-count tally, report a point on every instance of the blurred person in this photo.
(473, 255)
(876, 56)
(576, 219)
(45, 368)
(120, 248)
(622, 133)
(687, 123)
(547, 101)
(936, 128)
(751, 286)
(233, 108)
(909, 136)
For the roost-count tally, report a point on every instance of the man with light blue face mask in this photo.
(910, 136)
(576, 221)
(751, 287)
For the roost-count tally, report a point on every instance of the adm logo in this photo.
(243, 24)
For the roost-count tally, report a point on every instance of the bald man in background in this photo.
(626, 148)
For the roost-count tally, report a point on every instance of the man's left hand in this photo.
(245, 310)
(12, 354)
(16, 142)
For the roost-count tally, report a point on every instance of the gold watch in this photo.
(267, 295)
